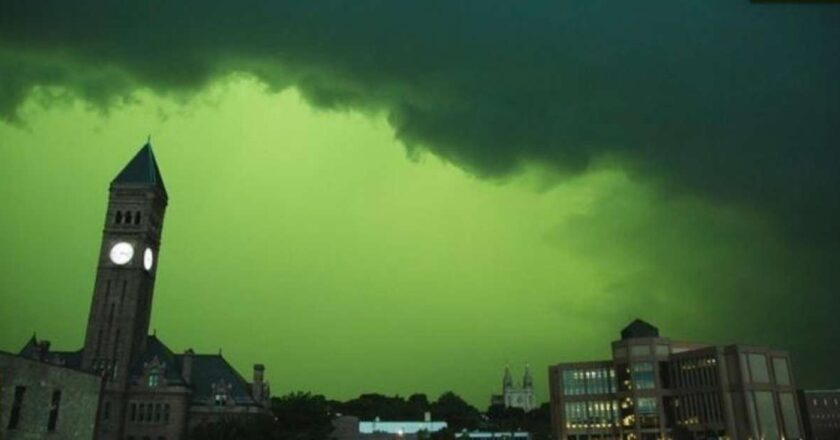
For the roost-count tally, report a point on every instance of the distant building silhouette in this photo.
(148, 391)
(351, 428)
(516, 396)
(655, 388)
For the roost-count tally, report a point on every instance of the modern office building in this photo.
(656, 388)
(820, 414)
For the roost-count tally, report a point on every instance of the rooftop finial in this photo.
(149, 140)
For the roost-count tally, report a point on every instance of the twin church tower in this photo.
(148, 391)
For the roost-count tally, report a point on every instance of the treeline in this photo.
(304, 416)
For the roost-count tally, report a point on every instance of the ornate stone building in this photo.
(149, 392)
(516, 396)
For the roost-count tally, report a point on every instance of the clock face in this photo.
(148, 259)
(121, 253)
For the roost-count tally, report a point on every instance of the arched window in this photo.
(137, 218)
(128, 217)
(118, 218)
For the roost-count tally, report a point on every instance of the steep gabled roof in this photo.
(30, 348)
(155, 348)
(639, 329)
(141, 170)
(208, 369)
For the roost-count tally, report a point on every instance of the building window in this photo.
(788, 407)
(157, 412)
(639, 350)
(118, 217)
(128, 217)
(220, 399)
(137, 218)
(766, 415)
(646, 408)
(166, 412)
(17, 403)
(133, 412)
(758, 368)
(141, 412)
(643, 377)
(780, 370)
(154, 378)
(54, 405)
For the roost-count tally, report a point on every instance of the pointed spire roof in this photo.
(507, 381)
(141, 170)
(527, 380)
(639, 329)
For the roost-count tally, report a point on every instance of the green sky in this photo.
(405, 196)
(309, 241)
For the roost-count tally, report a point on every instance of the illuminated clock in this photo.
(121, 253)
(148, 259)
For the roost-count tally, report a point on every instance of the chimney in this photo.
(41, 350)
(186, 366)
(258, 385)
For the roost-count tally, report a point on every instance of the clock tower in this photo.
(118, 323)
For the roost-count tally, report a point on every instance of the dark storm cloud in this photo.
(727, 98)
(734, 101)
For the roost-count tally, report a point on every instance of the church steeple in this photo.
(507, 381)
(527, 380)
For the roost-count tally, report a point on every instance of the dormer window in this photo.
(154, 373)
(221, 393)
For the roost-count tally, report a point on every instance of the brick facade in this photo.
(46, 400)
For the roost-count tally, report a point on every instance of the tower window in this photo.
(137, 218)
(128, 217)
(56, 402)
(118, 218)
(17, 403)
